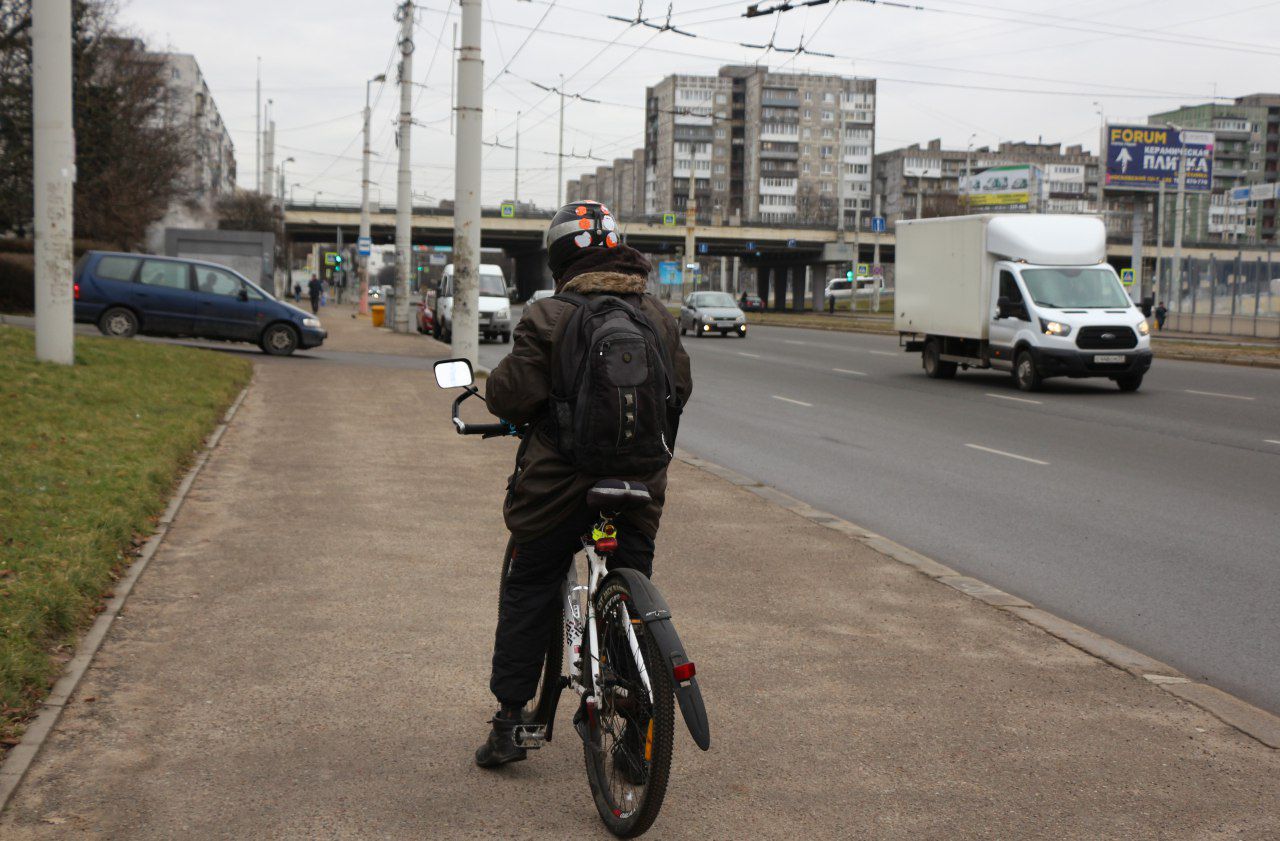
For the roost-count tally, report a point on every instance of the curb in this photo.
(1256, 723)
(21, 756)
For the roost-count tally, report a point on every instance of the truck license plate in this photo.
(1108, 359)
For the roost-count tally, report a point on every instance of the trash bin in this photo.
(377, 314)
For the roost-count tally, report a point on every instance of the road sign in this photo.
(751, 246)
(436, 259)
(877, 224)
(364, 246)
(703, 248)
(669, 273)
(1126, 277)
(1256, 192)
(1144, 157)
(791, 243)
(508, 210)
(669, 219)
(331, 258)
(864, 270)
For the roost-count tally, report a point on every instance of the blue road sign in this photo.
(364, 246)
(791, 243)
(703, 248)
(877, 224)
(1144, 157)
(669, 273)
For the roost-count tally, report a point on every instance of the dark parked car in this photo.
(751, 303)
(126, 294)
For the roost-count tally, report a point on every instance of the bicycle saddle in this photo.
(615, 496)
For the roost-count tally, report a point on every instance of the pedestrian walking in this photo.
(1162, 312)
(314, 289)
(297, 293)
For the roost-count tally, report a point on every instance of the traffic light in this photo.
(849, 275)
(337, 260)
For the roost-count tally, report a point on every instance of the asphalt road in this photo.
(1148, 517)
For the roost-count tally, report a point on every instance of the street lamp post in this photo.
(283, 245)
(362, 260)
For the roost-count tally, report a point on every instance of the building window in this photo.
(827, 134)
(826, 186)
(828, 97)
(720, 185)
(721, 99)
(808, 114)
(828, 116)
(826, 169)
(719, 170)
(826, 151)
(720, 134)
(808, 96)
(805, 168)
(806, 133)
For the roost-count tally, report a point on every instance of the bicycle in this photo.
(612, 641)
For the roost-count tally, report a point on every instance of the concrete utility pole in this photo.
(465, 325)
(364, 199)
(257, 132)
(560, 151)
(1179, 217)
(404, 179)
(690, 222)
(516, 191)
(268, 150)
(1135, 262)
(283, 282)
(53, 178)
(1159, 278)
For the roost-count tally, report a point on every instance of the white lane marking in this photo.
(1008, 455)
(1217, 394)
(794, 342)
(847, 371)
(1015, 399)
(1271, 441)
(789, 400)
(882, 353)
(749, 355)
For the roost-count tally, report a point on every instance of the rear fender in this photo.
(655, 614)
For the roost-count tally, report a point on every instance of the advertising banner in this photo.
(1000, 188)
(669, 273)
(1144, 157)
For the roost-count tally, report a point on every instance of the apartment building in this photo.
(619, 186)
(1246, 150)
(926, 181)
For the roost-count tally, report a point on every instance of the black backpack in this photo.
(614, 408)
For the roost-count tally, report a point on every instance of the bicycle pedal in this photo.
(531, 736)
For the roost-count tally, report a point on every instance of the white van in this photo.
(1027, 293)
(495, 310)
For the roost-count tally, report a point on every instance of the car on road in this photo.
(712, 312)
(751, 303)
(130, 294)
(375, 295)
(494, 310)
(539, 294)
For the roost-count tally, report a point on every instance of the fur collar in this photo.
(614, 283)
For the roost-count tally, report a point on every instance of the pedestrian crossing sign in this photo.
(508, 210)
(669, 219)
(1126, 277)
(864, 270)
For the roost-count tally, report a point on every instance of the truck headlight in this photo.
(1055, 328)
(504, 313)
(1144, 328)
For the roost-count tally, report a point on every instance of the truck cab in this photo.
(1029, 294)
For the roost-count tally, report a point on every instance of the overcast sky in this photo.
(1000, 69)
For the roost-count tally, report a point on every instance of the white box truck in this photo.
(1027, 293)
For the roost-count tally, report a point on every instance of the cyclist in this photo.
(545, 508)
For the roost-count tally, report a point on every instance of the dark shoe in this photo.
(500, 748)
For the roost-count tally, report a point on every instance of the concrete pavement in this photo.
(307, 657)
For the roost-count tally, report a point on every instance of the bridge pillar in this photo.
(762, 284)
(779, 288)
(797, 287)
(532, 273)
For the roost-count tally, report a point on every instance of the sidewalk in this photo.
(306, 657)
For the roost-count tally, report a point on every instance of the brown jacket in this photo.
(546, 488)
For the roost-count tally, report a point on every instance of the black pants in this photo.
(532, 592)
(315, 302)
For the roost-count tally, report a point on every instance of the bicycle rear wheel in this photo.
(628, 754)
(541, 707)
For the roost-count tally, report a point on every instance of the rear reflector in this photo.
(606, 544)
(684, 671)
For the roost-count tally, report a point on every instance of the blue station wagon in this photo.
(127, 294)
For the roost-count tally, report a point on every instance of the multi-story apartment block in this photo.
(926, 181)
(619, 186)
(1246, 140)
(682, 117)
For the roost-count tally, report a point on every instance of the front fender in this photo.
(655, 614)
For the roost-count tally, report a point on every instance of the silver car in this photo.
(712, 312)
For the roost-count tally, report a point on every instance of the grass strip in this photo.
(89, 455)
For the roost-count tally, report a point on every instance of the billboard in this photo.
(1144, 157)
(1256, 192)
(1000, 188)
(669, 273)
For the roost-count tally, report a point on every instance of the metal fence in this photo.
(1232, 297)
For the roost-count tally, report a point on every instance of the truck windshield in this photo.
(1075, 288)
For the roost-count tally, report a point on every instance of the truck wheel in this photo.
(1025, 375)
(1129, 382)
(935, 368)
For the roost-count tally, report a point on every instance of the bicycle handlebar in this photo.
(487, 430)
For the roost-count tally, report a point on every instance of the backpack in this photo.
(614, 409)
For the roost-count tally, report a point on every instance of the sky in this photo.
(980, 71)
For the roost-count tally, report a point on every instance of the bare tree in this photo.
(133, 145)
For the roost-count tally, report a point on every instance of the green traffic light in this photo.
(849, 274)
